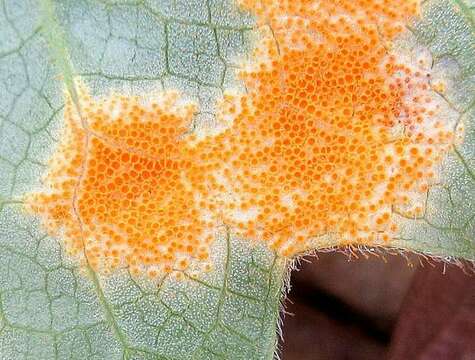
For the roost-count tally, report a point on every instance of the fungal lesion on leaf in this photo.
(314, 147)
(113, 188)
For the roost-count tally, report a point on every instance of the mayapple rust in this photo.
(336, 133)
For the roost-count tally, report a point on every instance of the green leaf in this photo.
(52, 308)
(445, 35)
(49, 307)
(447, 227)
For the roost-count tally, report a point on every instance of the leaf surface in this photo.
(447, 227)
(50, 307)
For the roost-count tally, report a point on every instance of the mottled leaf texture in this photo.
(448, 225)
(50, 307)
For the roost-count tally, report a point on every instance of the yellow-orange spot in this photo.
(330, 136)
(116, 189)
(335, 132)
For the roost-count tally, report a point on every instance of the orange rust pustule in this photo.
(335, 135)
(116, 187)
